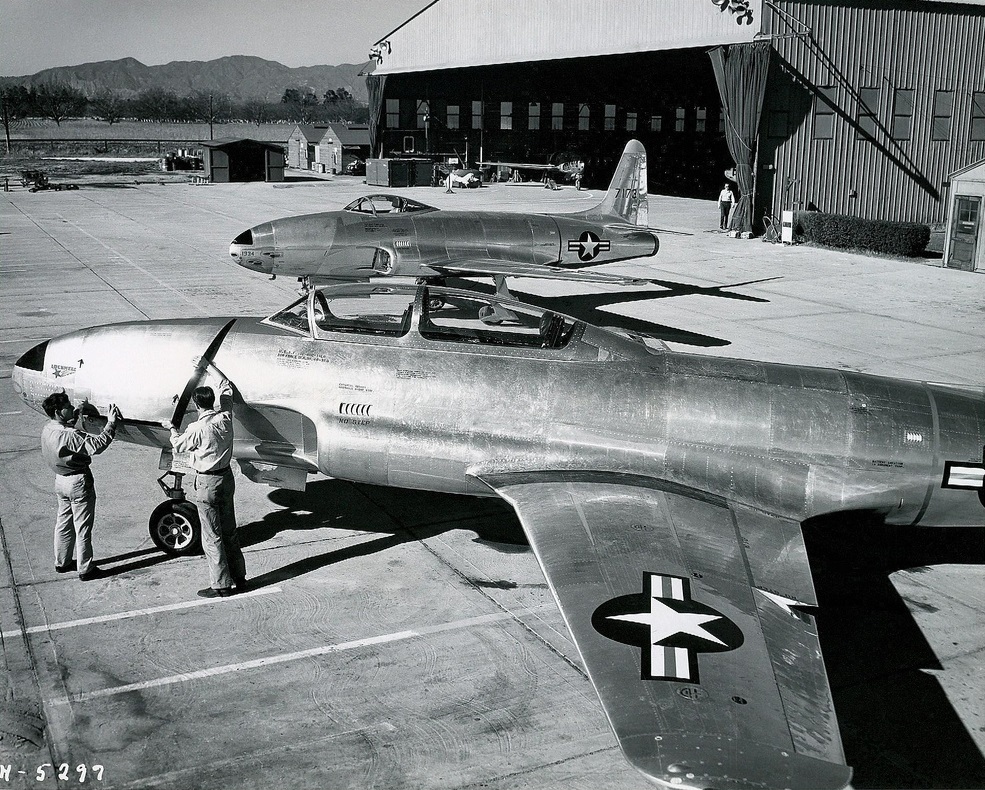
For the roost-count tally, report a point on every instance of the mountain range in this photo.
(238, 76)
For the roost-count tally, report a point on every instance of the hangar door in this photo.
(966, 232)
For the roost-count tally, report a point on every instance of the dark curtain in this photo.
(375, 87)
(740, 71)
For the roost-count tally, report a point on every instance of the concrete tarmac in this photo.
(400, 639)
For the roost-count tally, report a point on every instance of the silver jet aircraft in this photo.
(662, 493)
(392, 236)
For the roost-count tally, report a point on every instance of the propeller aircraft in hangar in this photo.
(663, 493)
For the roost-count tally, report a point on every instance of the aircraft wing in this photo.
(521, 165)
(491, 266)
(682, 606)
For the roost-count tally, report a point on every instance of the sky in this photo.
(40, 34)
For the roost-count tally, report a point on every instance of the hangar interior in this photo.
(866, 106)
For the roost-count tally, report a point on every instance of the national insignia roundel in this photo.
(668, 626)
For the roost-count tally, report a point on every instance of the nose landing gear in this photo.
(174, 525)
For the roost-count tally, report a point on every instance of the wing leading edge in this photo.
(681, 605)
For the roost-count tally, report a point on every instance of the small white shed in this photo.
(964, 245)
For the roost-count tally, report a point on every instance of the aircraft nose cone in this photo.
(246, 252)
(30, 365)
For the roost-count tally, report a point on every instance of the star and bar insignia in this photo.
(668, 626)
(588, 246)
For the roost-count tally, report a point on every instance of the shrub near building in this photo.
(838, 230)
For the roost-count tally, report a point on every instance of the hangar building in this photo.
(859, 107)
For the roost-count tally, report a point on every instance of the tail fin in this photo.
(625, 199)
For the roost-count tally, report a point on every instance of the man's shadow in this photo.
(897, 725)
(400, 515)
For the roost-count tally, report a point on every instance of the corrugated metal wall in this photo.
(915, 46)
(457, 33)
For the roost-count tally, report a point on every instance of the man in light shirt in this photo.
(68, 452)
(209, 442)
(725, 201)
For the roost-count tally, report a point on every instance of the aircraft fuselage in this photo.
(344, 245)
(419, 413)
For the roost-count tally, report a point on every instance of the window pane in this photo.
(679, 120)
(583, 116)
(978, 129)
(943, 102)
(823, 126)
(631, 122)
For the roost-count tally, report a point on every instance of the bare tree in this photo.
(58, 101)
(108, 106)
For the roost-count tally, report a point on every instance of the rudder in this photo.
(626, 197)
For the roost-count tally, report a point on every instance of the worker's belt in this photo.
(216, 471)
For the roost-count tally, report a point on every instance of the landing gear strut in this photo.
(174, 525)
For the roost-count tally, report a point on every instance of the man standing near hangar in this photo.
(209, 441)
(68, 452)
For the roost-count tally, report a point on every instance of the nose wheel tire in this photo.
(175, 529)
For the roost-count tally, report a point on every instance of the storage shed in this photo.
(964, 247)
(242, 159)
(302, 147)
(340, 145)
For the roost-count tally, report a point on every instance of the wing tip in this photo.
(687, 762)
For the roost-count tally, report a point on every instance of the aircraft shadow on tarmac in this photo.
(588, 307)
(409, 516)
(898, 727)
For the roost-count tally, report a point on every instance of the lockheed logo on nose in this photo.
(588, 246)
(668, 626)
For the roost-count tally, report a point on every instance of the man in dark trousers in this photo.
(209, 441)
(68, 452)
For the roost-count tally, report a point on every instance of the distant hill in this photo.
(239, 76)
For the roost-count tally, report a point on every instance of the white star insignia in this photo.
(665, 622)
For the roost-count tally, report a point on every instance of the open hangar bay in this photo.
(394, 638)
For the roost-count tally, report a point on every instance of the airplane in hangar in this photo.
(662, 493)
(382, 235)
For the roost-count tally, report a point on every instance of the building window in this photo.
(679, 120)
(557, 115)
(701, 118)
(506, 115)
(451, 118)
(583, 117)
(477, 115)
(393, 113)
(824, 114)
(868, 109)
(610, 117)
(721, 121)
(940, 126)
(533, 116)
(903, 114)
(631, 122)
(978, 116)
(656, 123)
(423, 111)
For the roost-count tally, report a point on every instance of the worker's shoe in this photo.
(239, 585)
(211, 592)
(93, 573)
(66, 568)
